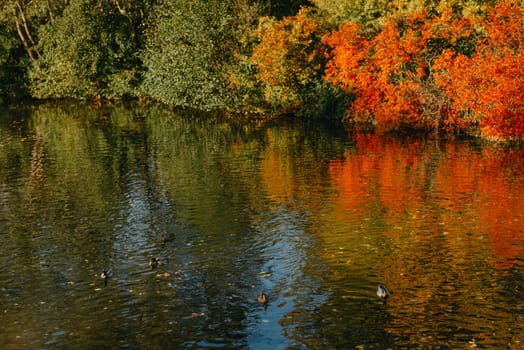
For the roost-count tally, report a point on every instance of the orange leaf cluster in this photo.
(489, 85)
(435, 71)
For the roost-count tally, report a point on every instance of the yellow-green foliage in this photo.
(375, 12)
(289, 58)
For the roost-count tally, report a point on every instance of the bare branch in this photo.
(22, 36)
(24, 21)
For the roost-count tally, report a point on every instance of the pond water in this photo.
(314, 216)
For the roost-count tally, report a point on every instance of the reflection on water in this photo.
(310, 215)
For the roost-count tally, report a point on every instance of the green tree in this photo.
(90, 50)
(19, 23)
(194, 52)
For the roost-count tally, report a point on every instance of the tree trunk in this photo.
(23, 31)
(24, 21)
(22, 37)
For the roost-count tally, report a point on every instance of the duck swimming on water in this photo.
(263, 299)
(155, 261)
(382, 293)
(167, 237)
(106, 275)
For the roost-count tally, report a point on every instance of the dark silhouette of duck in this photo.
(263, 299)
(167, 237)
(155, 261)
(106, 275)
(383, 293)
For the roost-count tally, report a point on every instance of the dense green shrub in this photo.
(86, 52)
(195, 52)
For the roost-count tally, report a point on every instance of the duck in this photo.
(155, 261)
(168, 237)
(106, 275)
(382, 292)
(263, 299)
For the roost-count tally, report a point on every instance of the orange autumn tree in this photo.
(288, 59)
(488, 87)
(391, 73)
(347, 65)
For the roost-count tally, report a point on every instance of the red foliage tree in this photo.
(391, 73)
(488, 87)
(436, 71)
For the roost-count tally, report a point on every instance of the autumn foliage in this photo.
(489, 85)
(287, 58)
(428, 71)
(453, 65)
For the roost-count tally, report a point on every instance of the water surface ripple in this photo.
(311, 215)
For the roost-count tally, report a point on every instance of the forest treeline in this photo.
(453, 65)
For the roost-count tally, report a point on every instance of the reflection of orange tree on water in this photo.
(482, 188)
(502, 207)
(290, 170)
(461, 183)
(444, 216)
